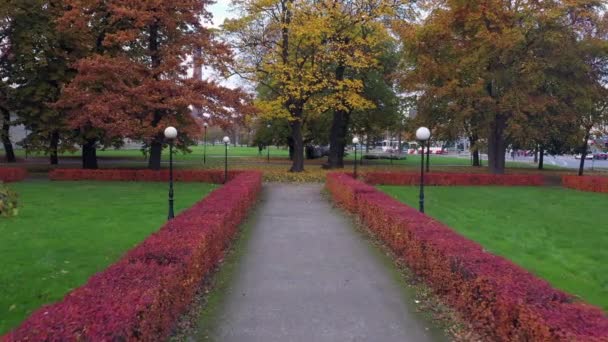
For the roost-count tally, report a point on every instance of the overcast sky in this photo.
(220, 11)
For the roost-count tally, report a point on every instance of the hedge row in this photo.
(502, 300)
(587, 183)
(402, 178)
(205, 176)
(141, 296)
(12, 174)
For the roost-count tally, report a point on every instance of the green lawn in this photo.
(67, 231)
(196, 154)
(558, 234)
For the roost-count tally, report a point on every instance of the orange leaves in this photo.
(134, 80)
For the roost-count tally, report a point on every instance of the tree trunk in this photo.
(339, 128)
(89, 154)
(156, 151)
(53, 147)
(298, 147)
(581, 168)
(541, 157)
(6, 138)
(473, 142)
(497, 146)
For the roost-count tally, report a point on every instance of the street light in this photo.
(422, 134)
(171, 134)
(205, 125)
(268, 146)
(226, 142)
(356, 142)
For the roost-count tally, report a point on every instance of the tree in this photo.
(354, 39)
(490, 62)
(38, 68)
(6, 24)
(135, 82)
(279, 42)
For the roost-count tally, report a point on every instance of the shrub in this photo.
(402, 178)
(586, 183)
(205, 176)
(502, 300)
(12, 174)
(141, 296)
(8, 202)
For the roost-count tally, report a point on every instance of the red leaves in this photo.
(501, 299)
(587, 183)
(402, 178)
(12, 174)
(140, 296)
(204, 176)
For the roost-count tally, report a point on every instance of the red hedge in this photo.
(141, 296)
(587, 183)
(12, 174)
(402, 178)
(501, 299)
(206, 176)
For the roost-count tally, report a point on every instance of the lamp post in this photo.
(356, 142)
(422, 134)
(268, 147)
(205, 143)
(226, 142)
(171, 134)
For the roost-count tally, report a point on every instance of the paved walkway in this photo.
(307, 275)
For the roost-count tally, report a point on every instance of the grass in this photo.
(556, 233)
(196, 153)
(67, 231)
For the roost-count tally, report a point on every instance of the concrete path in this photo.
(307, 275)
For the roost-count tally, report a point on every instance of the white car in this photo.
(588, 156)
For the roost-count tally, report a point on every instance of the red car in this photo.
(600, 156)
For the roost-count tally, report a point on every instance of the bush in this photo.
(402, 178)
(204, 176)
(502, 300)
(141, 296)
(8, 202)
(586, 183)
(12, 174)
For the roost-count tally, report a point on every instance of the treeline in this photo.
(527, 74)
(503, 73)
(93, 73)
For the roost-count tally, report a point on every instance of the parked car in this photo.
(600, 156)
(588, 156)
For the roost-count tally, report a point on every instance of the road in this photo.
(568, 162)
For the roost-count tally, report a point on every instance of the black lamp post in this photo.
(422, 134)
(356, 142)
(268, 146)
(205, 143)
(226, 142)
(171, 134)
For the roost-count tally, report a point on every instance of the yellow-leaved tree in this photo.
(304, 57)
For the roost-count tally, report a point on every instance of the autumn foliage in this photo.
(587, 183)
(12, 174)
(501, 300)
(204, 176)
(402, 178)
(140, 296)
